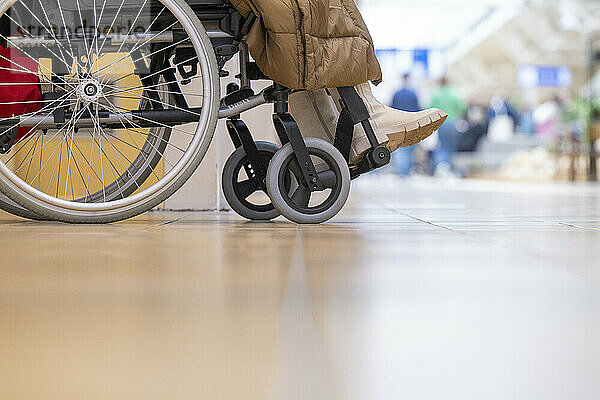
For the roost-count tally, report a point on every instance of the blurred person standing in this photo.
(447, 98)
(477, 123)
(547, 117)
(405, 99)
(504, 119)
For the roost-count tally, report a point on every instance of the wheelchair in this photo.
(107, 107)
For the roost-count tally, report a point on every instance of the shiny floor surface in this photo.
(418, 290)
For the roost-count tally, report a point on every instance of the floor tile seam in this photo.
(523, 251)
(579, 227)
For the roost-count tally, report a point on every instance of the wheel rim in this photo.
(245, 186)
(95, 85)
(300, 198)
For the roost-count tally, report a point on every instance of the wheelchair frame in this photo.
(240, 98)
(226, 29)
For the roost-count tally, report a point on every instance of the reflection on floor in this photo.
(419, 290)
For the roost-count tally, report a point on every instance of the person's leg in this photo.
(403, 160)
(315, 114)
(444, 153)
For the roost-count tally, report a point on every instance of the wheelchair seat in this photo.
(217, 15)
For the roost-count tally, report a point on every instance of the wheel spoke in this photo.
(136, 127)
(112, 23)
(327, 179)
(301, 196)
(43, 45)
(23, 69)
(31, 129)
(85, 41)
(246, 188)
(135, 88)
(149, 75)
(31, 115)
(142, 152)
(119, 153)
(156, 123)
(133, 61)
(98, 141)
(131, 26)
(133, 49)
(297, 171)
(34, 15)
(32, 148)
(171, 106)
(135, 46)
(52, 154)
(62, 16)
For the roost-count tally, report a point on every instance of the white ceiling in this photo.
(442, 23)
(487, 40)
(427, 23)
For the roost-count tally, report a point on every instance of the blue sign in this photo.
(421, 57)
(536, 76)
(406, 59)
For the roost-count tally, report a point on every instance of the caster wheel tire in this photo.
(295, 201)
(239, 187)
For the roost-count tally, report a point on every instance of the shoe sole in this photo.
(416, 132)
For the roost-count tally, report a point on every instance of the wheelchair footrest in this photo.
(374, 159)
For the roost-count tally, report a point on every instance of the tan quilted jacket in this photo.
(311, 44)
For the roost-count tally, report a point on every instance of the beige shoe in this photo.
(317, 114)
(393, 128)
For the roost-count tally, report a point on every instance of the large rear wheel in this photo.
(107, 119)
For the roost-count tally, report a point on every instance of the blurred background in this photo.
(520, 78)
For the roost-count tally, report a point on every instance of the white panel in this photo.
(203, 190)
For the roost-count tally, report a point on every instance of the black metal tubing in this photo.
(7, 139)
(169, 117)
(287, 127)
(245, 29)
(175, 89)
(233, 133)
(355, 109)
(146, 78)
(242, 138)
(222, 12)
(355, 105)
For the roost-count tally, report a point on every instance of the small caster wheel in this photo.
(289, 191)
(381, 156)
(244, 191)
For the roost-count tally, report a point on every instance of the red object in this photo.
(16, 67)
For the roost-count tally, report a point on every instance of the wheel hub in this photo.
(89, 90)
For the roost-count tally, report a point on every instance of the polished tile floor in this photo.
(419, 290)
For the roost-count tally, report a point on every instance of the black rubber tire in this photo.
(280, 196)
(229, 178)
